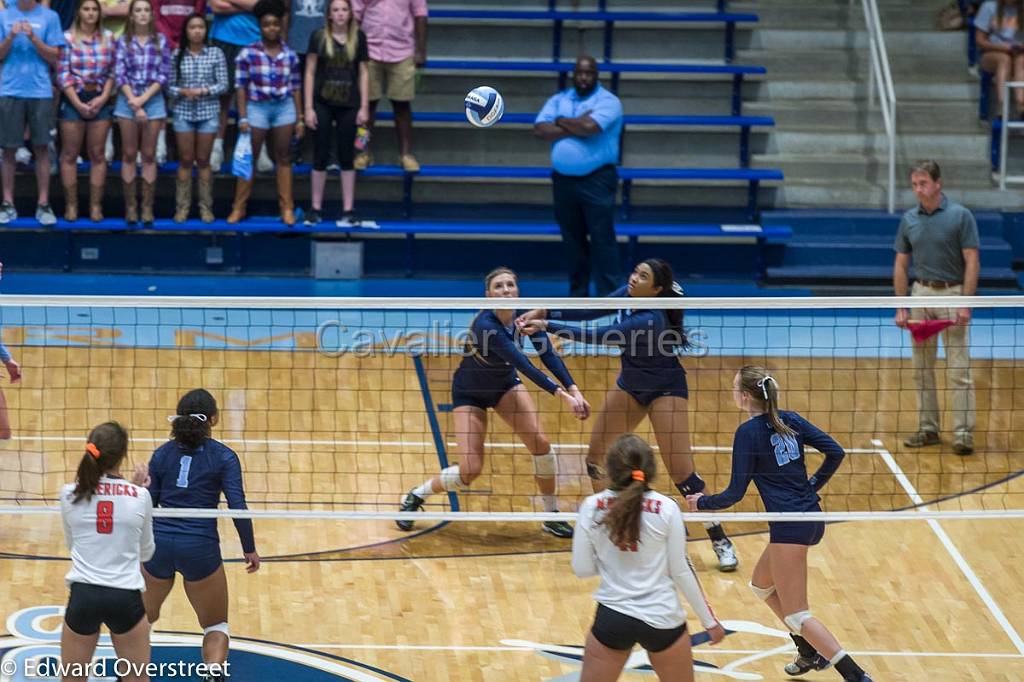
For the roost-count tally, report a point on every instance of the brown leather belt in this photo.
(935, 284)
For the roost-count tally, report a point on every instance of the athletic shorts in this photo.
(18, 112)
(796, 532)
(481, 388)
(90, 606)
(620, 632)
(193, 556)
(646, 392)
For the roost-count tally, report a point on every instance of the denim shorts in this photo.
(271, 114)
(67, 111)
(154, 107)
(210, 125)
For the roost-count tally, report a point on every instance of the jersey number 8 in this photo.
(786, 449)
(105, 517)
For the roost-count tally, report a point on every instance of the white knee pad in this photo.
(762, 593)
(545, 466)
(451, 480)
(795, 621)
(219, 627)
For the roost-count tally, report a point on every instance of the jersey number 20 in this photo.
(105, 517)
(786, 449)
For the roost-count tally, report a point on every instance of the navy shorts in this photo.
(620, 632)
(193, 556)
(647, 394)
(796, 532)
(480, 388)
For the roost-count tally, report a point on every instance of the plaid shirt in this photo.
(208, 69)
(267, 78)
(89, 61)
(139, 66)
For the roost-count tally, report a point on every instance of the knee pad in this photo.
(795, 621)
(762, 593)
(692, 485)
(545, 466)
(219, 627)
(595, 472)
(451, 479)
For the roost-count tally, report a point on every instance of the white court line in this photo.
(384, 443)
(958, 558)
(702, 651)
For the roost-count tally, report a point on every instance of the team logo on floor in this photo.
(639, 663)
(31, 652)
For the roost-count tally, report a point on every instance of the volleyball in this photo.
(484, 106)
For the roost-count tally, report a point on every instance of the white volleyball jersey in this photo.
(108, 535)
(640, 580)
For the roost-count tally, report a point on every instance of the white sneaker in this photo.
(23, 156)
(161, 148)
(217, 155)
(108, 148)
(726, 553)
(264, 165)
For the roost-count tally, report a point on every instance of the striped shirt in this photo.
(208, 69)
(86, 62)
(140, 65)
(267, 78)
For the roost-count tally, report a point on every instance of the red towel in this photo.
(922, 330)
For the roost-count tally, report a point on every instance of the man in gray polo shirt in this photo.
(942, 238)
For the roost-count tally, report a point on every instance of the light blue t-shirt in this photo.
(579, 156)
(1009, 30)
(235, 29)
(26, 74)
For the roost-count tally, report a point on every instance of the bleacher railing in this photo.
(1006, 127)
(880, 85)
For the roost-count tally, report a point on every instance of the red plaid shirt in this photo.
(267, 78)
(88, 61)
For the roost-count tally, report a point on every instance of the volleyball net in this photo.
(338, 407)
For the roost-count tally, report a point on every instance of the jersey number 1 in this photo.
(786, 449)
(105, 517)
(186, 464)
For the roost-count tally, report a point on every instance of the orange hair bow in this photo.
(638, 475)
(92, 450)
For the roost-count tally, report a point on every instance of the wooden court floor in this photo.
(490, 601)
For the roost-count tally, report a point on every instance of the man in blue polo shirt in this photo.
(941, 237)
(583, 123)
(30, 42)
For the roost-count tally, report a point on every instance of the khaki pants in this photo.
(958, 368)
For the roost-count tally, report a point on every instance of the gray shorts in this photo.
(16, 112)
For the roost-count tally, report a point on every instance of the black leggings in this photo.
(345, 120)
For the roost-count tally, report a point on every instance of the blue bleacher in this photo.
(608, 19)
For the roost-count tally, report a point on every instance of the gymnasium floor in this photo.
(488, 601)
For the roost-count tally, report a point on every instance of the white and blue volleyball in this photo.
(484, 106)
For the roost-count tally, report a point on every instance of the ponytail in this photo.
(190, 427)
(106, 447)
(630, 468)
(764, 388)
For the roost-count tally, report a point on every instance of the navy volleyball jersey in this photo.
(776, 465)
(494, 353)
(649, 344)
(195, 478)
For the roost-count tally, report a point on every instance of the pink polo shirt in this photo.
(389, 27)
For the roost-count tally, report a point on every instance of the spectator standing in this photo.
(30, 42)
(85, 77)
(583, 124)
(234, 27)
(396, 34)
